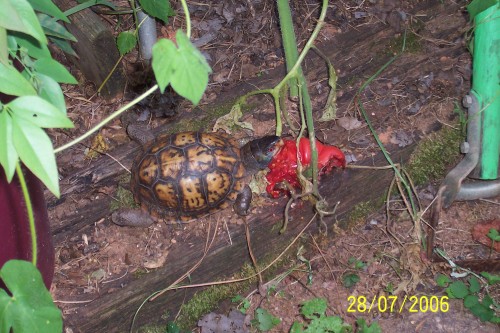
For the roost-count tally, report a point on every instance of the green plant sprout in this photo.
(263, 320)
(314, 311)
(470, 292)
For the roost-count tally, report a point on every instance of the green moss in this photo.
(204, 301)
(411, 42)
(122, 198)
(434, 155)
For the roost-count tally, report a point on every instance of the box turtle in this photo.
(187, 175)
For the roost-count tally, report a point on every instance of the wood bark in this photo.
(96, 49)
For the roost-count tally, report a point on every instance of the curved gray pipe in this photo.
(478, 190)
(147, 34)
(453, 180)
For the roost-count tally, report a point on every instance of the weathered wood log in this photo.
(96, 49)
(113, 312)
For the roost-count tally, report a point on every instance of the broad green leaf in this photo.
(492, 278)
(474, 285)
(52, 28)
(350, 279)
(64, 45)
(30, 308)
(36, 152)
(191, 77)
(482, 312)
(9, 17)
(39, 112)
(164, 53)
(297, 327)
(313, 308)
(34, 48)
(470, 301)
(264, 321)
(12, 44)
(160, 9)
(50, 90)
(494, 235)
(4, 46)
(364, 328)
(458, 289)
(48, 7)
(13, 83)
(126, 42)
(185, 68)
(8, 154)
(442, 280)
(55, 70)
(29, 20)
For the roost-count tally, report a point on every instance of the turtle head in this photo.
(259, 152)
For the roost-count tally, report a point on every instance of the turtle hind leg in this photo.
(243, 200)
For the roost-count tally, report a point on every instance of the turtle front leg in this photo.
(243, 200)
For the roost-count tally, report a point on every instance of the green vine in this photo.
(29, 209)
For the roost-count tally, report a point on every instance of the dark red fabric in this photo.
(15, 239)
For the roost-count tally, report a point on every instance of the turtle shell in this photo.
(187, 175)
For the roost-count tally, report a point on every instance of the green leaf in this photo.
(364, 328)
(332, 324)
(13, 83)
(297, 327)
(55, 70)
(126, 42)
(50, 90)
(28, 19)
(184, 67)
(34, 48)
(470, 301)
(64, 45)
(349, 280)
(39, 112)
(443, 280)
(264, 321)
(48, 7)
(492, 279)
(36, 152)
(482, 312)
(9, 17)
(474, 285)
(160, 9)
(313, 308)
(493, 235)
(8, 154)
(458, 289)
(52, 28)
(30, 308)
(487, 301)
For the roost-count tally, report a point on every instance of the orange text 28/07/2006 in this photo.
(392, 303)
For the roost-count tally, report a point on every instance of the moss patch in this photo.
(122, 198)
(204, 301)
(433, 155)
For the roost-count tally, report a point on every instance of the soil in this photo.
(240, 39)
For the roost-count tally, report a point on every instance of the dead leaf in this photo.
(349, 123)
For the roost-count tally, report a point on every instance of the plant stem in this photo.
(188, 18)
(296, 71)
(289, 42)
(29, 209)
(106, 120)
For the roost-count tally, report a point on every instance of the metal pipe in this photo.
(471, 148)
(478, 190)
(147, 34)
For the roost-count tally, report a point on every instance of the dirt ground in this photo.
(240, 45)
